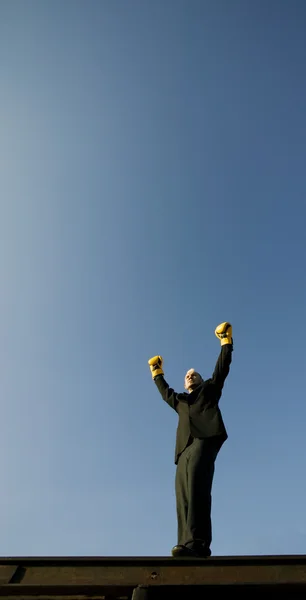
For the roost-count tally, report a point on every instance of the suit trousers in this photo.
(193, 485)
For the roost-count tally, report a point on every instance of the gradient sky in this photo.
(153, 179)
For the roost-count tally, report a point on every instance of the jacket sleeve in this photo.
(222, 367)
(167, 393)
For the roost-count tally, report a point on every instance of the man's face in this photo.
(192, 380)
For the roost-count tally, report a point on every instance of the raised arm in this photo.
(224, 334)
(167, 393)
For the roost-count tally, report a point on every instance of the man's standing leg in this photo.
(201, 468)
(181, 497)
(181, 494)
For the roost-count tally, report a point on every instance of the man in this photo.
(200, 435)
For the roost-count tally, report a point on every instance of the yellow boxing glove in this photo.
(224, 333)
(155, 364)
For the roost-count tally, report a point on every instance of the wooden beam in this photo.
(51, 578)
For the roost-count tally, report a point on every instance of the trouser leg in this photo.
(181, 493)
(200, 473)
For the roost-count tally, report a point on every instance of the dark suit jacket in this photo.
(199, 412)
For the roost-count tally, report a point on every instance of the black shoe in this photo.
(202, 551)
(197, 551)
(181, 550)
(192, 552)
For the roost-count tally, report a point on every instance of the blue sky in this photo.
(152, 186)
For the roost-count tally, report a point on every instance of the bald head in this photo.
(192, 380)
